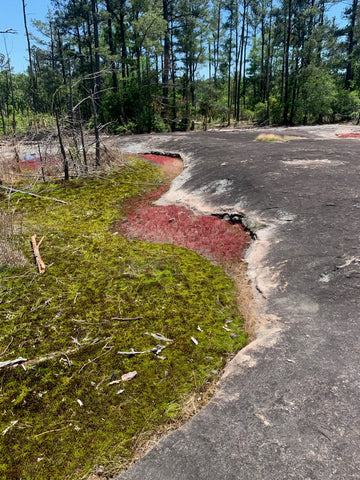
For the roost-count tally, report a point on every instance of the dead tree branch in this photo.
(39, 262)
(50, 356)
(13, 190)
(9, 30)
(158, 349)
(124, 319)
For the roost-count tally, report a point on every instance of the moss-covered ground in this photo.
(64, 416)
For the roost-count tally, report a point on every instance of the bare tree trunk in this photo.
(112, 48)
(96, 133)
(138, 66)
(166, 65)
(148, 93)
(286, 67)
(230, 95)
(351, 44)
(71, 118)
(268, 68)
(13, 101)
(242, 48)
(173, 77)
(31, 70)
(83, 147)
(2, 118)
(97, 96)
(217, 48)
(124, 66)
(62, 149)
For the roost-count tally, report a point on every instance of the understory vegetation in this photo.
(68, 410)
(131, 67)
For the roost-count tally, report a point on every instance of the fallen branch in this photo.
(24, 362)
(160, 337)
(39, 262)
(93, 360)
(13, 190)
(11, 425)
(158, 349)
(51, 431)
(124, 319)
(13, 363)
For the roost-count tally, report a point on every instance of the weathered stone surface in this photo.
(288, 405)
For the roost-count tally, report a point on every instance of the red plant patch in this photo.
(33, 162)
(348, 135)
(30, 162)
(159, 159)
(210, 236)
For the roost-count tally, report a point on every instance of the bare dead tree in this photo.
(31, 70)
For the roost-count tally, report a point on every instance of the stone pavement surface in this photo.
(288, 405)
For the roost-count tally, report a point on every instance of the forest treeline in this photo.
(133, 66)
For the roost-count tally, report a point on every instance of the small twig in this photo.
(13, 363)
(67, 359)
(89, 323)
(160, 337)
(24, 362)
(11, 425)
(39, 262)
(93, 360)
(42, 238)
(124, 319)
(158, 349)
(51, 431)
(10, 189)
(6, 348)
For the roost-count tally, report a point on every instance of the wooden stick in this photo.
(124, 319)
(42, 238)
(158, 349)
(39, 262)
(31, 194)
(50, 356)
(13, 363)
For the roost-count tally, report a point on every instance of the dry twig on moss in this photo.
(124, 319)
(158, 349)
(50, 356)
(39, 262)
(13, 190)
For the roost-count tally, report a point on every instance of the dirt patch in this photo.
(271, 137)
(320, 162)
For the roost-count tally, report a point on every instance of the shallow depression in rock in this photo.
(217, 239)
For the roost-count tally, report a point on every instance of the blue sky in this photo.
(12, 17)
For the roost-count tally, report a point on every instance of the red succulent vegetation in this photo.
(210, 236)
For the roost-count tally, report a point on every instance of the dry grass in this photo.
(245, 298)
(269, 137)
(272, 137)
(10, 229)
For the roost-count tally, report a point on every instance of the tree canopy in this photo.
(134, 66)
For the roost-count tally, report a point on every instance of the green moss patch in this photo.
(67, 409)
